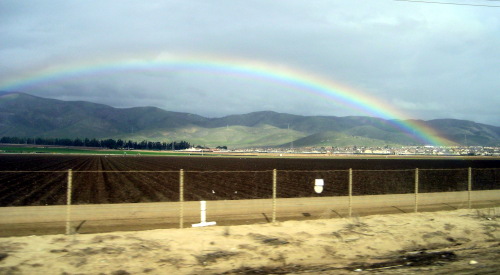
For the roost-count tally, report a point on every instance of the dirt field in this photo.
(225, 178)
(448, 242)
(238, 191)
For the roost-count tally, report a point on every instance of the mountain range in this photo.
(25, 115)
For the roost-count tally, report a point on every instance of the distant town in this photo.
(184, 146)
(355, 150)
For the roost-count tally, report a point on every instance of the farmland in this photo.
(17, 149)
(107, 179)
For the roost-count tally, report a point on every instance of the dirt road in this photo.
(40, 220)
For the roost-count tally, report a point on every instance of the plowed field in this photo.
(107, 179)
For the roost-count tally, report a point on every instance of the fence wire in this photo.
(240, 197)
(22, 188)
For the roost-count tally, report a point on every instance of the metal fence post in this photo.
(350, 192)
(274, 194)
(181, 198)
(469, 187)
(68, 202)
(416, 190)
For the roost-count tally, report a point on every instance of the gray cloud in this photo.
(428, 61)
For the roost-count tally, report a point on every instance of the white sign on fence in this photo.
(318, 185)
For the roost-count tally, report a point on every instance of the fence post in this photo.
(181, 198)
(274, 195)
(68, 202)
(469, 187)
(350, 192)
(416, 190)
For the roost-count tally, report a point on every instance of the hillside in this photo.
(25, 115)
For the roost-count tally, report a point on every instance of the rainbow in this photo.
(292, 78)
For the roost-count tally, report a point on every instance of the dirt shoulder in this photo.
(461, 241)
(100, 218)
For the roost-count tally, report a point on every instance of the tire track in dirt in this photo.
(150, 186)
(16, 187)
(53, 192)
(32, 192)
(124, 189)
(90, 187)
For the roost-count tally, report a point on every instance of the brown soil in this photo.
(226, 178)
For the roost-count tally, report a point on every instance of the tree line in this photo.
(100, 143)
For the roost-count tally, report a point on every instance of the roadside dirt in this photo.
(454, 242)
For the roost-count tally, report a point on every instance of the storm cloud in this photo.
(426, 60)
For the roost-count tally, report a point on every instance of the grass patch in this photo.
(65, 150)
(214, 256)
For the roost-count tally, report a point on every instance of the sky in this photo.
(426, 61)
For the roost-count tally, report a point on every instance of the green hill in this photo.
(339, 139)
(233, 136)
(24, 115)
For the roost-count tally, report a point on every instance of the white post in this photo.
(181, 199)
(469, 187)
(68, 202)
(203, 210)
(274, 194)
(350, 192)
(416, 190)
(203, 215)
